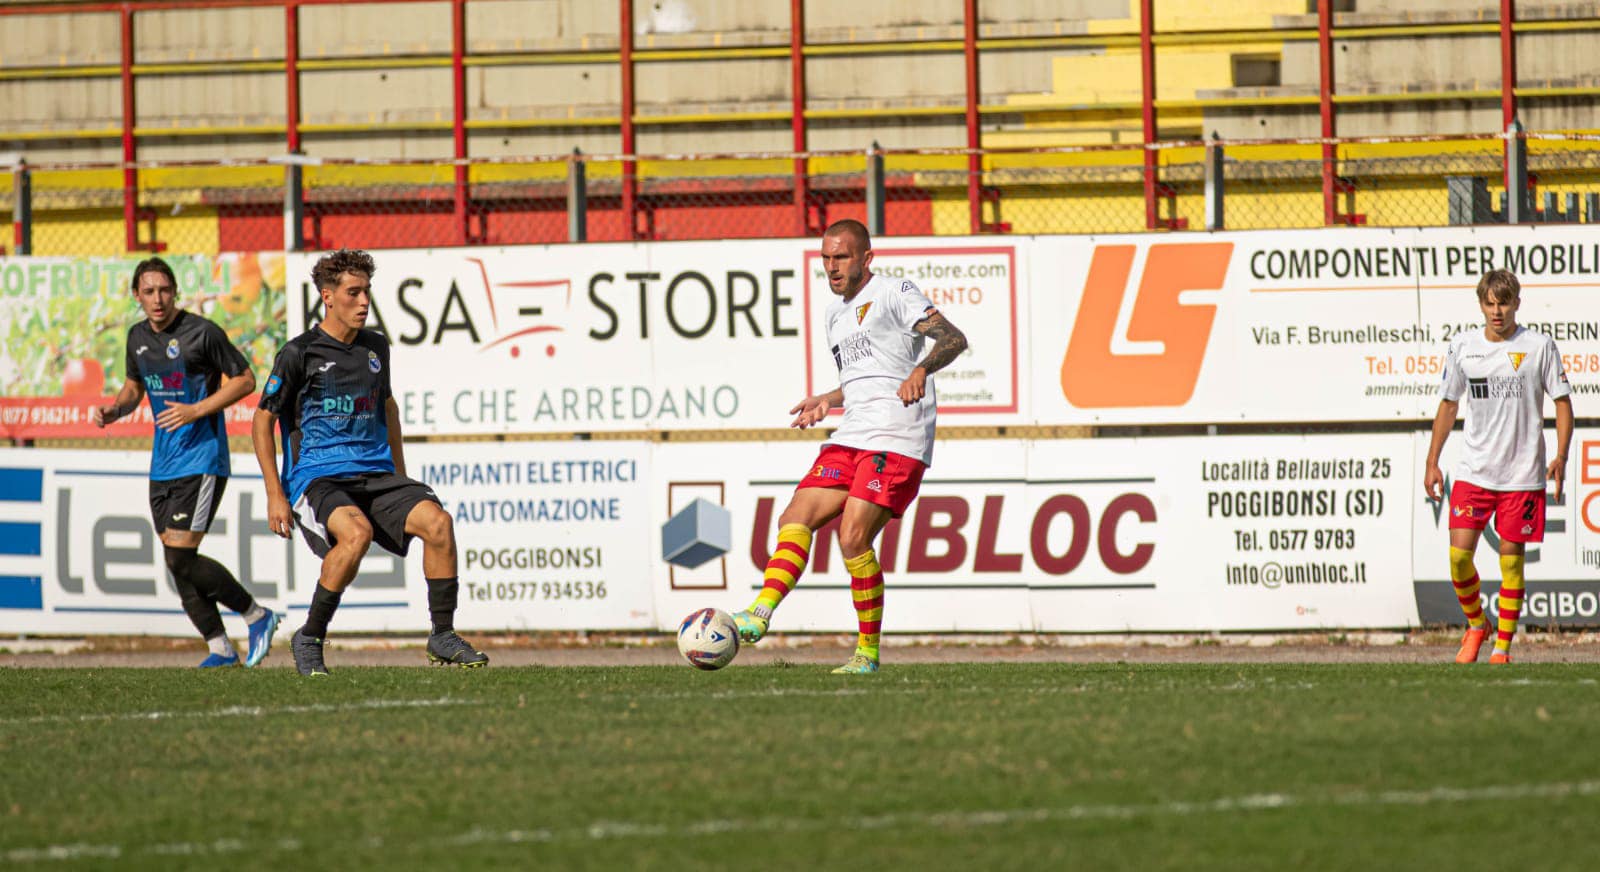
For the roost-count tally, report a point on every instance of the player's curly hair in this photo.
(330, 266)
(1500, 285)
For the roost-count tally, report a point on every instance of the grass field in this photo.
(958, 766)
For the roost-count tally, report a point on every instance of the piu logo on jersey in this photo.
(346, 404)
(171, 381)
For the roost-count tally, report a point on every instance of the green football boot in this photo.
(859, 664)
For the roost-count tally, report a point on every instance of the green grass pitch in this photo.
(956, 766)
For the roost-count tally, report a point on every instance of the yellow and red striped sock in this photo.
(866, 589)
(788, 561)
(1465, 578)
(1511, 584)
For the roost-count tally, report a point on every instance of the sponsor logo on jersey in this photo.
(853, 348)
(1527, 529)
(875, 486)
(172, 349)
(326, 366)
(907, 287)
(142, 349)
(1496, 387)
(172, 381)
(273, 383)
(1464, 511)
(1516, 359)
(179, 516)
(861, 312)
(372, 361)
(827, 472)
(347, 404)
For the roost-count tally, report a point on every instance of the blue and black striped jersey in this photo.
(184, 363)
(330, 399)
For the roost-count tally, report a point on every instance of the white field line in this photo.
(242, 711)
(607, 831)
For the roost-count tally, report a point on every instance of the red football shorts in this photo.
(882, 478)
(1518, 515)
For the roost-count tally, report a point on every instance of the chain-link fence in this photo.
(206, 208)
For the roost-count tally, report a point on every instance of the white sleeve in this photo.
(911, 305)
(1455, 379)
(1554, 374)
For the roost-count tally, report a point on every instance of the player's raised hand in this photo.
(1558, 474)
(176, 415)
(810, 410)
(278, 514)
(1433, 483)
(915, 387)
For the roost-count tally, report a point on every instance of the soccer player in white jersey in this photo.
(870, 468)
(1504, 372)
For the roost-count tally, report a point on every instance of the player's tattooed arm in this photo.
(948, 342)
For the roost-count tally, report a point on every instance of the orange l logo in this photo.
(1092, 376)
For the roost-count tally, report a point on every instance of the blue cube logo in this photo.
(701, 532)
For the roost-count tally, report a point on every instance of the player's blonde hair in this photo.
(1500, 285)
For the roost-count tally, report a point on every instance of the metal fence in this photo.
(300, 203)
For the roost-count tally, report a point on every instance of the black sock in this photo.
(217, 582)
(323, 604)
(201, 609)
(442, 603)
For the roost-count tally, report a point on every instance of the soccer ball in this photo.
(708, 639)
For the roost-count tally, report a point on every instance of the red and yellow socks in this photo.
(1511, 588)
(784, 568)
(866, 589)
(1465, 578)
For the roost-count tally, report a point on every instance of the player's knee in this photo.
(180, 560)
(438, 529)
(357, 534)
(854, 539)
(1460, 563)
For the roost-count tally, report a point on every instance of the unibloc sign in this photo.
(607, 337)
(1176, 534)
(1183, 534)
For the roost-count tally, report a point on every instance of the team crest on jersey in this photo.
(372, 361)
(861, 312)
(172, 349)
(1516, 359)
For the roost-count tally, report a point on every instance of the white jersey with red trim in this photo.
(875, 348)
(1504, 385)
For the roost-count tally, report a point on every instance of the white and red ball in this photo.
(708, 639)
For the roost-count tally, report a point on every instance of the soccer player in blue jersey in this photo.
(344, 473)
(191, 372)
